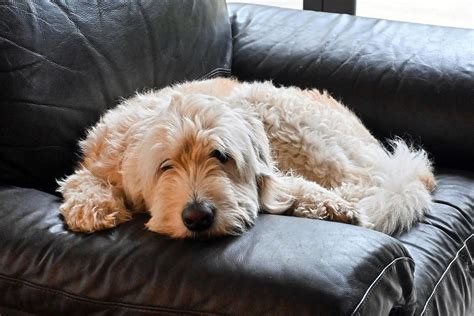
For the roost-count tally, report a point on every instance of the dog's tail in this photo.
(401, 194)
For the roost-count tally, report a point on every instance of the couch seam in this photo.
(428, 301)
(214, 72)
(377, 280)
(75, 297)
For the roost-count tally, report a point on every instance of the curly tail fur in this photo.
(400, 195)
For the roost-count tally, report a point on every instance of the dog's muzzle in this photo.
(198, 216)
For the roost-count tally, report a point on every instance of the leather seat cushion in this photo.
(443, 248)
(282, 265)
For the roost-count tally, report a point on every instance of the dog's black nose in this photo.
(198, 216)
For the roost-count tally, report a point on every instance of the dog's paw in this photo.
(341, 211)
(90, 216)
(333, 210)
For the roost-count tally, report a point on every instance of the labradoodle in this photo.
(205, 157)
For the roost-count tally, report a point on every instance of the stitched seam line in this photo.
(377, 280)
(214, 72)
(428, 301)
(75, 297)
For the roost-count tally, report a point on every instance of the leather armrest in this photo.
(284, 265)
(410, 80)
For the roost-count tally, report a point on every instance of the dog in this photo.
(205, 157)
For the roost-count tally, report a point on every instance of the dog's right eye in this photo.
(166, 165)
(222, 157)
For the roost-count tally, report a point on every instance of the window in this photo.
(456, 13)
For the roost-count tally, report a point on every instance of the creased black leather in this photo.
(410, 80)
(443, 248)
(281, 266)
(62, 64)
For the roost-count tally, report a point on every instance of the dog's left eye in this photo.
(166, 165)
(222, 157)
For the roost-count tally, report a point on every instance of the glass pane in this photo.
(457, 13)
(292, 4)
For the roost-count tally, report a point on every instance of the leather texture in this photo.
(409, 80)
(283, 265)
(63, 63)
(442, 247)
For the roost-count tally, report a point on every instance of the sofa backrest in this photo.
(402, 79)
(62, 64)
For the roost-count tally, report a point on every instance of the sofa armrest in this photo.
(410, 80)
(283, 265)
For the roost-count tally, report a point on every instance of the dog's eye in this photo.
(222, 157)
(166, 165)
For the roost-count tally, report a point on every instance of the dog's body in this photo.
(204, 157)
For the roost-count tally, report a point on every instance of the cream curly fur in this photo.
(292, 151)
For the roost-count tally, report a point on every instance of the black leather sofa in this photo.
(62, 64)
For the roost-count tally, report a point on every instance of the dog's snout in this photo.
(198, 216)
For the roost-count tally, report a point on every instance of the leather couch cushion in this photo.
(62, 64)
(402, 79)
(443, 248)
(283, 265)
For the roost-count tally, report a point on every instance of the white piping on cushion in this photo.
(374, 283)
(444, 273)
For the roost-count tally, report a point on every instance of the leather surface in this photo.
(443, 249)
(63, 63)
(282, 265)
(410, 80)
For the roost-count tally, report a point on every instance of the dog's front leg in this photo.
(314, 201)
(90, 203)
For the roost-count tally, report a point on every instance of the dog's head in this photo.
(205, 169)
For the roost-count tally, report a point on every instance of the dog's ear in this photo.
(273, 197)
(272, 194)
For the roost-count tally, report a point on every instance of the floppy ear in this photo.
(273, 195)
